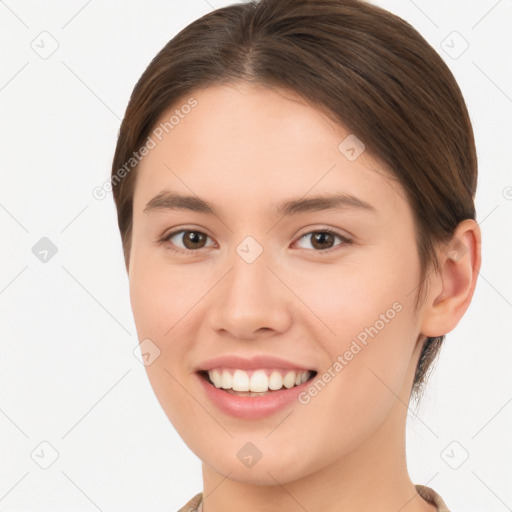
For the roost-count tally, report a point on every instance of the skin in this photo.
(244, 148)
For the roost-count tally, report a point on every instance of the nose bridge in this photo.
(248, 281)
(249, 297)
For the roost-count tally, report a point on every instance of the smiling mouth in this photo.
(205, 375)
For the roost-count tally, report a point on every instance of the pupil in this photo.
(193, 237)
(321, 237)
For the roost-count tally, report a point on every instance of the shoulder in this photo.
(193, 505)
(431, 496)
(427, 493)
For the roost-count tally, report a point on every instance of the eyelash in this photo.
(166, 241)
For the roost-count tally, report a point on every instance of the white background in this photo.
(68, 375)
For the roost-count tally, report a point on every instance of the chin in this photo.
(271, 469)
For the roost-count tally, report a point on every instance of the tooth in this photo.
(259, 381)
(289, 379)
(275, 381)
(227, 380)
(215, 377)
(240, 381)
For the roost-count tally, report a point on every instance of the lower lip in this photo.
(252, 408)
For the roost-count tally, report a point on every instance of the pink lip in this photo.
(251, 408)
(262, 361)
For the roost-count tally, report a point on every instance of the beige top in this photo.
(428, 494)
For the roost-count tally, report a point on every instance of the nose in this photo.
(251, 301)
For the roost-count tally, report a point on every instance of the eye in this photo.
(191, 239)
(323, 239)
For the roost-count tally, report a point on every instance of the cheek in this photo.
(159, 313)
(160, 296)
(357, 293)
(358, 388)
(157, 308)
(367, 330)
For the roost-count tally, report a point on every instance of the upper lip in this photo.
(252, 363)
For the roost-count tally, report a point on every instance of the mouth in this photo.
(257, 382)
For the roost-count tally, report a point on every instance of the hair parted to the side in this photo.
(366, 68)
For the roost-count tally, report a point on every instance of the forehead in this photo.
(247, 144)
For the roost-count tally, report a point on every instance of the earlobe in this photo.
(459, 263)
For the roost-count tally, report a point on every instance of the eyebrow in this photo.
(167, 200)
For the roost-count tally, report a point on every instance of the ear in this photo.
(451, 290)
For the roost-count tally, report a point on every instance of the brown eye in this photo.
(193, 239)
(323, 240)
(190, 239)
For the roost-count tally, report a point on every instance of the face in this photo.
(275, 277)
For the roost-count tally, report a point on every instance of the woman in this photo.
(295, 183)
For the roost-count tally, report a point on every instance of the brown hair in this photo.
(368, 69)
